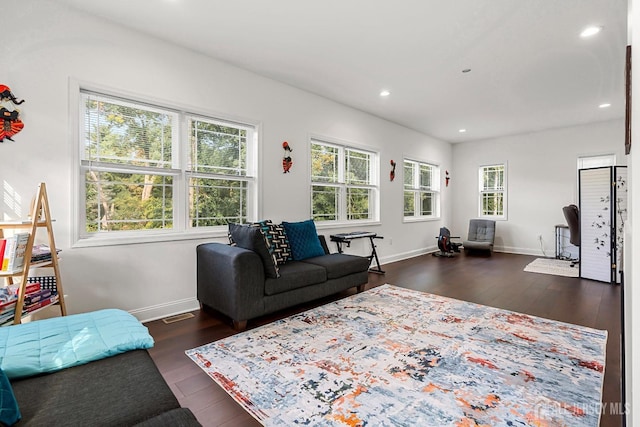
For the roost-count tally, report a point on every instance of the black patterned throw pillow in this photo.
(277, 238)
(280, 244)
(250, 236)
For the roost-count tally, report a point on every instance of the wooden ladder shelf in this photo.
(40, 217)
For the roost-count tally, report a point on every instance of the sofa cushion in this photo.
(303, 239)
(278, 241)
(478, 245)
(340, 265)
(9, 411)
(247, 237)
(116, 391)
(294, 275)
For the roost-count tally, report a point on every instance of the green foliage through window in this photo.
(492, 185)
(421, 195)
(133, 173)
(343, 185)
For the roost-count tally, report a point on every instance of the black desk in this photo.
(346, 238)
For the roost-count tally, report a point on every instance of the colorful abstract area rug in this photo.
(397, 357)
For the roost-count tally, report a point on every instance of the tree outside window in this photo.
(134, 179)
(421, 190)
(492, 181)
(343, 184)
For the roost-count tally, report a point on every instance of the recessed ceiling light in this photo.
(605, 105)
(590, 31)
(385, 93)
(462, 130)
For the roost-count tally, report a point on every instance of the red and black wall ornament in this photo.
(10, 123)
(286, 159)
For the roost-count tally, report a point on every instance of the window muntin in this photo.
(492, 180)
(134, 178)
(218, 148)
(127, 201)
(343, 183)
(421, 190)
(218, 166)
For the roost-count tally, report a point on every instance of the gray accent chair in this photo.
(482, 233)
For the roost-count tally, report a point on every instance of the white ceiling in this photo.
(530, 70)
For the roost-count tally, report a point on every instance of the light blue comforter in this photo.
(53, 344)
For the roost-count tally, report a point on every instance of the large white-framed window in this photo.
(344, 182)
(421, 190)
(492, 181)
(151, 172)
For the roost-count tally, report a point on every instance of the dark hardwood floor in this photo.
(497, 281)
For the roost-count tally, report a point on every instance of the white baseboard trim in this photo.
(406, 255)
(523, 251)
(160, 311)
(423, 251)
(172, 308)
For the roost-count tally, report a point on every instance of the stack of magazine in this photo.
(8, 300)
(41, 253)
(35, 297)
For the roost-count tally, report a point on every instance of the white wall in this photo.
(541, 179)
(48, 46)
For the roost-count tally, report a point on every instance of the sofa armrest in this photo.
(230, 280)
(323, 243)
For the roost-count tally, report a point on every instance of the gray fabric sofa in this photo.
(122, 390)
(232, 280)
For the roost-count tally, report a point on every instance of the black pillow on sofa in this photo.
(252, 238)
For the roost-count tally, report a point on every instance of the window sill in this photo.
(134, 239)
(419, 219)
(326, 225)
(494, 218)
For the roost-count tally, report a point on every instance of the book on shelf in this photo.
(28, 308)
(14, 252)
(31, 288)
(37, 296)
(9, 248)
(7, 295)
(8, 307)
(7, 318)
(41, 253)
(3, 244)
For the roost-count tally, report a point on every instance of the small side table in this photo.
(346, 238)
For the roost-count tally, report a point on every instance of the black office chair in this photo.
(572, 215)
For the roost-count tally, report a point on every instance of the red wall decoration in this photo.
(10, 123)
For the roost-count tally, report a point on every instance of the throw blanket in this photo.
(50, 345)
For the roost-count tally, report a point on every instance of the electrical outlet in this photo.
(390, 241)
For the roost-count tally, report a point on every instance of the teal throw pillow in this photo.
(252, 238)
(303, 239)
(9, 411)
